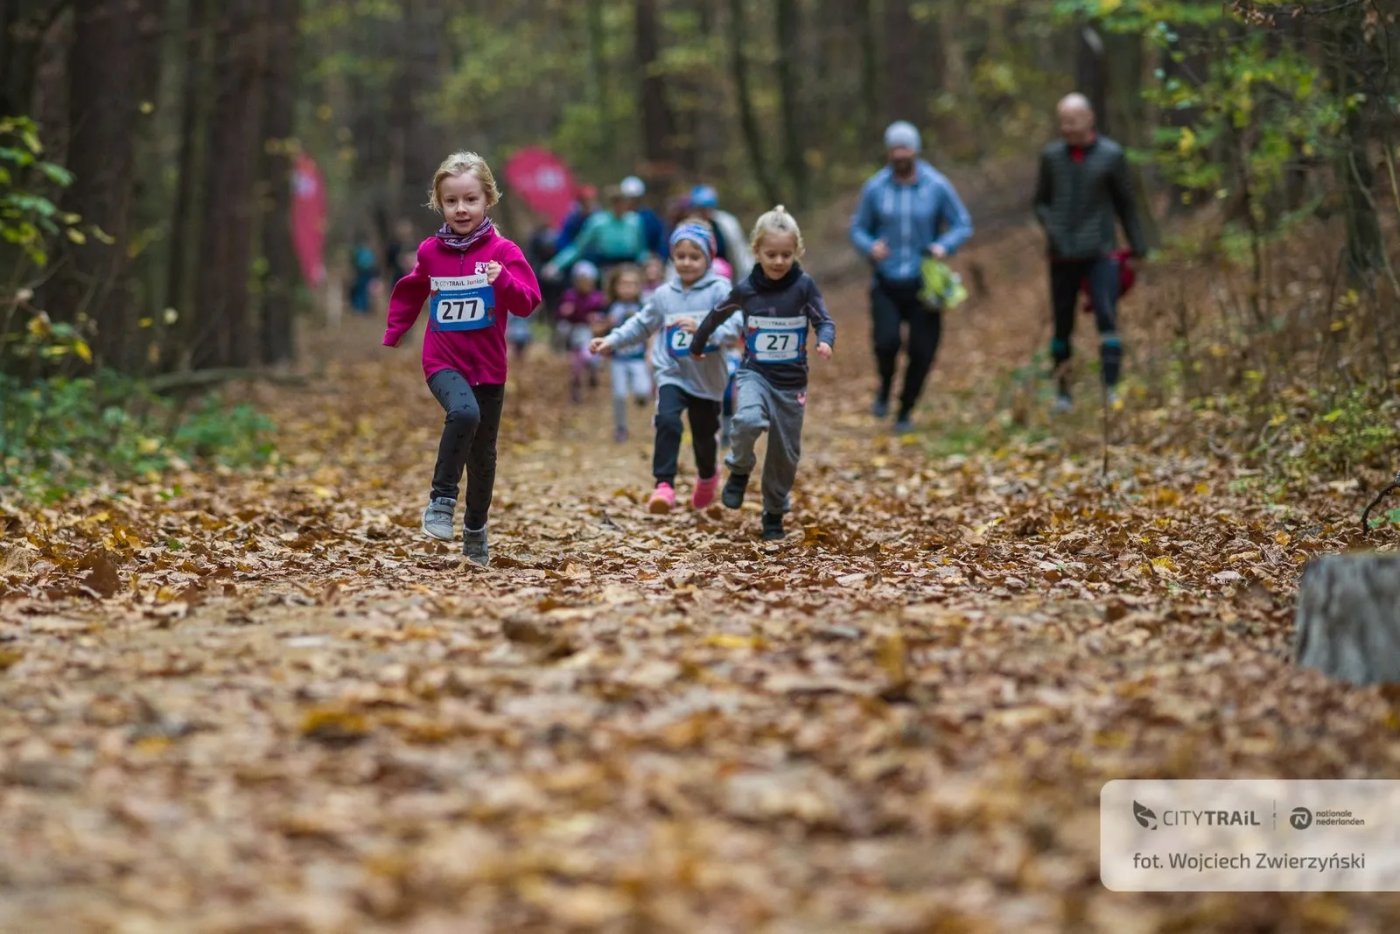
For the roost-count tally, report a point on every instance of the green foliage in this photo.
(28, 218)
(1320, 435)
(1249, 105)
(61, 433)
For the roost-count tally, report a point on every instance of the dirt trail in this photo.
(293, 713)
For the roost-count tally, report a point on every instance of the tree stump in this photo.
(1348, 622)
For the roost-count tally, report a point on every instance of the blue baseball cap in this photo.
(703, 196)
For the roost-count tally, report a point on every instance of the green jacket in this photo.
(607, 238)
(1076, 201)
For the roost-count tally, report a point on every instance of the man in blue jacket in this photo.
(907, 211)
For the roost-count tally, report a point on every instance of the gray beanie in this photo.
(902, 133)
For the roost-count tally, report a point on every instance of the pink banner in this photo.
(543, 180)
(309, 219)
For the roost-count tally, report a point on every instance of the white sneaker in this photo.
(437, 518)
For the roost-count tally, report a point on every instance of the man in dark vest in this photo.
(1083, 186)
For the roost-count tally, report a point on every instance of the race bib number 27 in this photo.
(463, 303)
(777, 340)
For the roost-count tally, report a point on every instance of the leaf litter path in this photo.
(263, 703)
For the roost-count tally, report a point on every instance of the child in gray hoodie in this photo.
(685, 384)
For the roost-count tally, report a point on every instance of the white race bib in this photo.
(462, 303)
(777, 340)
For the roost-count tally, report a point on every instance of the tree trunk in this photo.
(658, 120)
(1348, 621)
(224, 326)
(903, 99)
(279, 267)
(103, 92)
(789, 35)
(748, 119)
(869, 70)
(184, 215)
(22, 27)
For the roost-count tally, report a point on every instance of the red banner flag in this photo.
(543, 180)
(309, 219)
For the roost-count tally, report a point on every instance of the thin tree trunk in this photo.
(902, 96)
(225, 326)
(748, 119)
(869, 68)
(279, 266)
(789, 35)
(103, 85)
(658, 120)
(184, 217)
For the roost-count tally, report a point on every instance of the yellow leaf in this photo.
(1283, 538)
(84, 352)
(728, 640)
(76, 235)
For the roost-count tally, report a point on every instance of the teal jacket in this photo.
(607, 238)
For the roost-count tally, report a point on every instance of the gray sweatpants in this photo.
(759, 408)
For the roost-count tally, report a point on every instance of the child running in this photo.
(779, 302)
(686, 385)
(631, 374)
(472, 278)
(582, 308)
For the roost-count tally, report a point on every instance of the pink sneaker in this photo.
(662, 499)
(704, 493)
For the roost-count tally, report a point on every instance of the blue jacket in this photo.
(910, 218)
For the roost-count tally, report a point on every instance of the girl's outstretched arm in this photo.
(636, 328)
(721, 313)
(516, 287)
(406, 301)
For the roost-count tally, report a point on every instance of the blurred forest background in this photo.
(147, 146)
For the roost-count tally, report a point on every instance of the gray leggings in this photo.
(468, 441)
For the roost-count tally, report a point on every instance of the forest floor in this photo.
(262, 701)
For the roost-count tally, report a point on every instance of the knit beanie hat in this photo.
(697, 235)
(903, 133)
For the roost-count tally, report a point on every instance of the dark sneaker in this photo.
(904, 426)
(474, 546)
(733, 494)
(437, 518)
(773, 527)
(880, 409)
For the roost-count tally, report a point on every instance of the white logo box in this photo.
(1250, 835)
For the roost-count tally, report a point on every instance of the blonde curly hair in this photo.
(464, 163)
(777, 221)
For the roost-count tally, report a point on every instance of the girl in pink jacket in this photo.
(471, 278)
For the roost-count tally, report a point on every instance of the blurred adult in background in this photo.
(908, 211)
(607, 239)
(732, 243)
(653, 229)
(583, 208)
(1082, 189)
(364, 273)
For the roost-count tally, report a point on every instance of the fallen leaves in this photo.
(898, 718)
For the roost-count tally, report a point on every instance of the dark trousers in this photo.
(468, 441)
(671, 402)
(1066, 279)
(893, 304)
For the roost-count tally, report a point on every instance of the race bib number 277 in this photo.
(463, 303)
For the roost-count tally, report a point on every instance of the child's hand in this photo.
(493, 269)
(824, 350)
(600, 345)
(686, 324)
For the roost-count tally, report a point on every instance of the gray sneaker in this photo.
(437, 518)
(1062, 405)
(474, 546)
